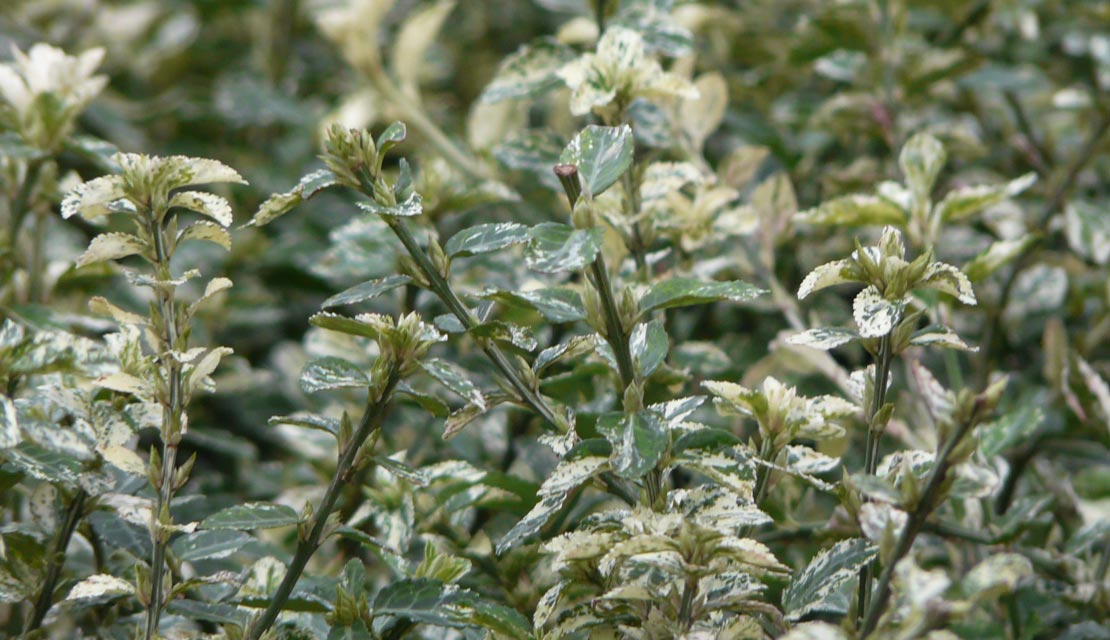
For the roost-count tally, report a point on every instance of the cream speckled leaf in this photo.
(208, 232)
(854, 210)
(807, 461)
(547, 604)
(964, 202)
(876, 517)
(570, 474)
(921, 160)
(530, 71)
(602, 155)
(197, 374)
(125, 383)
(824, 338)
(938, 335)
(818, 587)
(110, 246)
(125, 459)
(279, 204)
(827, 275)
(875, 315)
(533, 521)
(998, 574)
(102, 306)
(948, 279)
(1088, 230)
(415, 37)
(204, 203)
(998, 255)
(100, 586)
(92, 199)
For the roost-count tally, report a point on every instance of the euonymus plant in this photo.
(581, 319)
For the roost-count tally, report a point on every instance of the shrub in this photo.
(599, 319)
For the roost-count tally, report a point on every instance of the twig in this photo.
(370, 423)
(56, 561)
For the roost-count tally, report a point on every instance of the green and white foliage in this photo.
(545, 376)
(909, 205)
(621, 70)
(44, 91)
(886, 306)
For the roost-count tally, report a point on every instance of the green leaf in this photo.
(1015, 427)
(486, 238)
(454, 378)
(649, 344)
(533, 151)
(252, 515)
(1088, 230)
(402, 470)
(855, 210)
(366, 291)
(420, 599)
(355, 631)
(217, 612)
(279, 204)
(921, 160)
(998, 255)
(639, 442)
(818, 587)
(13, 146)
(557, 247)
(411, 206)
(308, 420)
(343, 324)
(964, 202)
(390, 137)
(331, 372)
(530, 71)
(208, 545)
(555, 304)
(683, 292)
(602, 155)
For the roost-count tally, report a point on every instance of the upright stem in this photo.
(446, 294)
(56, 561)
(914, 524)
(172, 419)
(618, 340)
(22, 203)
(370, 423)
(871, 456)
(36, 269)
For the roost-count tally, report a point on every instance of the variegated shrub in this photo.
(575, 319)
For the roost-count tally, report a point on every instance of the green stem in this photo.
(871, 456)
(56, 561)
(370, 423)
(616, 337)
(172, 419)
(446, 294)
(37, 268)
(22, 203)
(914, 524)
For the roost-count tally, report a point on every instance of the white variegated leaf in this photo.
(100, 586)
(875, 315)
(950, 280)
(826, 275)
(821, 585)
(110, 246)
(824, 338)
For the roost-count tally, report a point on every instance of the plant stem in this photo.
(173, 411)
(35, 293)
(446, 294)
(871, 456)
(616, 337)
(370, 423)
(914, 524)
(56, 561)
(22, 203)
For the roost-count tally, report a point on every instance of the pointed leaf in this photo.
(330, 372)
(683, 292)
(366, 291)
(557, 247)
(602, 155)
(530, 71)
(649, 344)
(818, 587)
(486, 238)
(252, 515)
